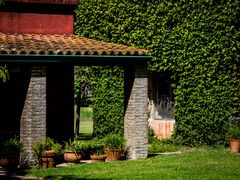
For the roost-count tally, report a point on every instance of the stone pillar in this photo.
(136, 113)
(33, 118)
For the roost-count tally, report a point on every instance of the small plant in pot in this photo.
(97, 150)
(10, 153)
(234, 133)
(74, 150)
(234, 139)
(46, 151)
(114, 146)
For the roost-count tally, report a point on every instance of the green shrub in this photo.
(114, 141)
(234, 127)
(46, 144)
(79, 146)
(12, 147)
(164, 145)
(151, 135)
(96, 146)
(234, 133)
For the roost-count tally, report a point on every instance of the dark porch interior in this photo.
(12, 95)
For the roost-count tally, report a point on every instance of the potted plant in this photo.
(10, 153)
(46, 151)
(74, 150)
(97, 150)
(234, 139)
(114, 146)
(234, 133)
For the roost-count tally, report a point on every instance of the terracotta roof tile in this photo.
(46, 1)
(62, 45)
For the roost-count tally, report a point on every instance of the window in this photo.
(163, 100)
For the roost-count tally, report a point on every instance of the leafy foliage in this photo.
(114, 141)
(197, 41)
(151, 135)
(82, 90)
(106, 89)
(12, 147)
(4, 75)
(82, 85)
(107, 100)
(77, 145)
(46, 144)
(234, 127)
(165, 145)
(96, 146)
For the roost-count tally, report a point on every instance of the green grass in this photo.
(86, 114)
(86, 121)
(200, 164)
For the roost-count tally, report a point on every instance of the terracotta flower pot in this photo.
(98, 158)
(71, 156)
(235, 145)
(113, 154)
(47, 159)
(9, 162)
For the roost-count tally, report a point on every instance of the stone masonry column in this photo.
(136, 116)
(33, 119)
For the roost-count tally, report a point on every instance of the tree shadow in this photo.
(20, 176)
(5, 177)
(71, 177)
(6, 174)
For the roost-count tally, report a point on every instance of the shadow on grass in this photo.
(5, 177)
(71, 177)
(152, 155)
(60, 177)
(21, 175)
(13, 174)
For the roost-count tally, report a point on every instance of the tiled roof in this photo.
(38, 44)
(46, 1)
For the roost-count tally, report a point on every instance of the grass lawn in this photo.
(200, 164)
(86, 121)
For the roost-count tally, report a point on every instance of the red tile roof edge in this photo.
(39, 44)
(71, 2)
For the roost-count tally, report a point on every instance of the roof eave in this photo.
(75, 59)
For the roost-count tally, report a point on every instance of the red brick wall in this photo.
(11, 22)
(47, 1)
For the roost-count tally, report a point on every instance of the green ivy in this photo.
(108, 100)
(4, 75)
(197, 41)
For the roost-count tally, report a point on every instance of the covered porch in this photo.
(37, 102)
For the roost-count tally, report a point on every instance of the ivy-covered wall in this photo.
(197, 41)
(107, 88)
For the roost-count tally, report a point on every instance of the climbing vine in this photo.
(108, 100)
(197, 41)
